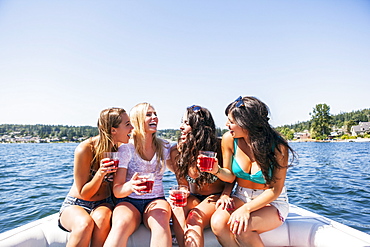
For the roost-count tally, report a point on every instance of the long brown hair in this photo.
(108, 119)
(201, 137)
(252, 115)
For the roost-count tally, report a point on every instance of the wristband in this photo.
(218, 171)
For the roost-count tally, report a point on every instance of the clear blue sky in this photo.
(62, 62)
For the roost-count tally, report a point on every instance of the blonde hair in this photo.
(137, 118)
(109, 118)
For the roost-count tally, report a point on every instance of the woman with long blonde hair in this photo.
(146, 152)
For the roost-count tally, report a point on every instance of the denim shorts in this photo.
(281, 203)
(140, 204)
(89, 206)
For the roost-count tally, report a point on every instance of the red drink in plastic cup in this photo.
(180, 198)
(116, 162)
(180, 192)
(149, 186)
(148, 181)
(112, 156)
(207, 160)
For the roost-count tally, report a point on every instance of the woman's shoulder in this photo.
(227, 138)
(87, 146)
(128, 145)
(166, 145)
(173, 147)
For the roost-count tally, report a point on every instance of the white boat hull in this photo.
(302, 228)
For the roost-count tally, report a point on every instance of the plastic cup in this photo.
(180, 193)
(207, 160)
(148, 181)
(112, 156)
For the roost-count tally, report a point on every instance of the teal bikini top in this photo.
(256, 178)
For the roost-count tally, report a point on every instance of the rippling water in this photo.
(331, 179)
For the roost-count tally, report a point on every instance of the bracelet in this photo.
(218, 171)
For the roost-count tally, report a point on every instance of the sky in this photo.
(62, 62)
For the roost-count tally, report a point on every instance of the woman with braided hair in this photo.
(198, 132)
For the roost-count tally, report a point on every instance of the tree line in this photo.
(70, 133)
(61, 132)
(174, 134)
(322, 123)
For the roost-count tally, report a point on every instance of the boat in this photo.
(301, 228)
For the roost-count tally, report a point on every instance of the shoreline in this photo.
(344, 140)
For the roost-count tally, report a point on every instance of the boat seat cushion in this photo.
(302, 228)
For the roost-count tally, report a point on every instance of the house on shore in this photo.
(302, 135)
(361, 129)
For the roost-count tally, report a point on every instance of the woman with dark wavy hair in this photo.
(257, 157)
(198, 132)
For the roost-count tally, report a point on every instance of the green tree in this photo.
(349, 125)
(320, 121)
(286, 132)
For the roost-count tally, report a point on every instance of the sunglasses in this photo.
(195, 108)
(239, 102)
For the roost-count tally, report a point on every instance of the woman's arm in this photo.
(275, 189)
(171, 162)
(121, 188)
(86, 188)
(225, 201)
(224, 173)
(269, 195)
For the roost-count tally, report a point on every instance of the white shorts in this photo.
(281, 203)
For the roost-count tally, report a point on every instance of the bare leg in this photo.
(198, 219)
(262, 220)
(221, 229)
(126, 219)
(80, 223)
(157, 217)
(102, 217)
(178, 224)
(179, 215)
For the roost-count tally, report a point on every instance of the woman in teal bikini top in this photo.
(260, 199)
(238, 171)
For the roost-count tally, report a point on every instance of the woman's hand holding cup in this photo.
(178, 195)
(207, 161)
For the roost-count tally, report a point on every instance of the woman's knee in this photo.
(247, 237)
(83, 223)
(195, 217)
(159, 211)
(124, 216)
(219, 221)
(102, 216)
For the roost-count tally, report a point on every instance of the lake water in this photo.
(331, 179)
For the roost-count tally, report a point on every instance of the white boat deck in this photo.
(302, 228)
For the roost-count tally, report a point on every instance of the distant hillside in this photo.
(77, 133)
(343, 119)
(56, 132)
